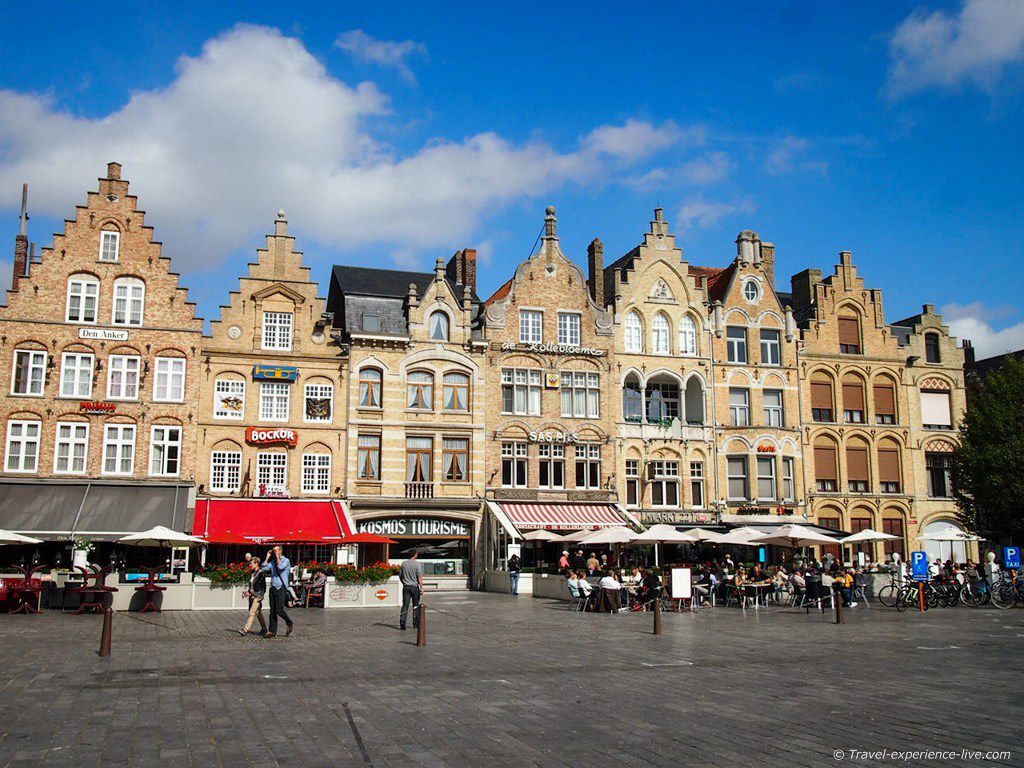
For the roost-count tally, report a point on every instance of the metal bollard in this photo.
(838, 597)
(657, 615)
(421, 622)
(108, 628)
(920, 594)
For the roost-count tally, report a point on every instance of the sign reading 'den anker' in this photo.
(280, 436)
(275, 372)
(553, 437)
(102, 334)
(552, 349)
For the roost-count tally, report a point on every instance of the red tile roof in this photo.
(500, 294)
(718, 279)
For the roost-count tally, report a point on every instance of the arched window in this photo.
(884, 393)
(662, 396)
(858, 476)
(83, 298)
(849, 335)
(129, 301)
(456, 391)
(890, 478)
(853, 400)
(421, 390)
(632, 399)
(693, 399)
(826, 468)
(660, 335)
(439, 326)
(687, 336)
(634, 333)
(369, 388)
(821, 398)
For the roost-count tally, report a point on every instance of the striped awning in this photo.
(561, 516)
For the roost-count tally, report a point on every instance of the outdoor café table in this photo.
(97, 590)
(150, 588)
(27, 592)
(758, 591)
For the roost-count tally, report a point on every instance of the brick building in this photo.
(100, 347)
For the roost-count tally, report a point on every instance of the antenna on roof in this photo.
(24, 210)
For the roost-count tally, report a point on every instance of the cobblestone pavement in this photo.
(516, 682)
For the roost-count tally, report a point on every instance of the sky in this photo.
(394, 135)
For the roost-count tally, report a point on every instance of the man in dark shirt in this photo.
(412, 586)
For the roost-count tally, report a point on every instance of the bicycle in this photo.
(888, 594)
(1008, 591)
(976, 594)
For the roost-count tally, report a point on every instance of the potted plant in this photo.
(80, 551)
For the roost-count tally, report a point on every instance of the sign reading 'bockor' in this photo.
(282, 436)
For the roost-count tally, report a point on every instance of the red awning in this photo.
(562, 516)
(260, 521)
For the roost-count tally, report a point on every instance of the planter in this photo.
(80, 558)
(345, 595)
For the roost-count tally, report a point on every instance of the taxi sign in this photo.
(1011, 557)
(919, 566)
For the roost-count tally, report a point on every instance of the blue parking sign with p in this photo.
(1011, 557)
(919, 566)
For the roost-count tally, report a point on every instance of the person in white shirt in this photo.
(585, 589)
(610, 591)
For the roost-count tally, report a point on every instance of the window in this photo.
(588, 466)
(419, 459)
(889, 468)
(83, 299)
(110, 244)
(885, 402)
(773, 416)
(531, 323)
(439, 326)
(123, 377)
(165, 451)
(632, 400)
(581, 394)
(275, 401)
(662, 400)
(664, 478)
(520, 391)
(22, 445)
(766, 478)
(935, 410)
(369, 388)
(129, 301)
(513, 464)
(660, 335)
(771, 349)
(29, 377)
(894, 527)
(932, 354)
(826, 475)
(857, 468)
(169, 382)
(229, 399)
(76, 375)
(821, 400)
(697, 484)
(569, 328)
(271, 473)
(853, 401)
(552, 466)
(316, 473)
(119, 449)
(632, 483)
(369, 457)
(421, 390)
(750, 291)
(788, 479)
(277, 330)
(939, 467)
(739, 406)
(634, 333)
(318, 406)
(455, 459)
(736, 339)
(225, 471)
(849, 335)
(371, 323)
(736, 470)
(70, 456)
(687, 336)
(456, 392)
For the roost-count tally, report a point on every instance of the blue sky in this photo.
(396, 135)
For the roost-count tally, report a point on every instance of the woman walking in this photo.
(256, 592)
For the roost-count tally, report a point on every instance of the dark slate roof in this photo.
(986, 366)
(901, 332)
(389, 311)
(909, 322)
(369, 281)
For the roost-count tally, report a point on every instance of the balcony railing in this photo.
(419, 490)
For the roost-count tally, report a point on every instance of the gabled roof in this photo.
(501, 293)
(391, 283)
(718, 279)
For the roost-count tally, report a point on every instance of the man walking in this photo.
(279, 568)
(412, 585)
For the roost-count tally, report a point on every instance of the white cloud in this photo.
(386, 53)
(705, 170)
(705, 213)
(783, 157)
(939, 49)
(971, 321)
(255, 123)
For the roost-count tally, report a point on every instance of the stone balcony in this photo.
(673, 429)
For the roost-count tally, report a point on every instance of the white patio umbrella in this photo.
(794, 535)
(618, 534)
(10, 537)
(702, 534)
(741, 536)
(868, 534)
(664, 534)
(948, 534)
(162, 537)
(541, 535)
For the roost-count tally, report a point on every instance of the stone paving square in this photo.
(513, 682)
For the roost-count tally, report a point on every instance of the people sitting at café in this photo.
(315, 588)
(702, 585)
(610, 587)
(573, 582)
(563, 561)
(578, 562)
(650, 589)
(797, 586)
(593, 564)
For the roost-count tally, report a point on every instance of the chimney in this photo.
(461, 268)
(746, 247)
(768, 261)
(803, 287)
(595, 266)
(969, 356)
(114, 171)
(21, 243)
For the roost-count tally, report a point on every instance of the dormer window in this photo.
(750, 291)
(110, 245)
(439, 326)
(277, 330)
(371, 323)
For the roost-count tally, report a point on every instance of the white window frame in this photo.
(23, 440)
(446, 325)
(71, 363)
(589, 456)
(171, 375)
(115, 448)
(788, 479)
(73, 440)
(745, 461)
(633, 333)
(130, 302)
(751, 287)
(736, 345)
(271, 400)
(277, 334)
(83, 282)
(227, 464)
(526, 381)
(112, 364)
(663, 475)
(225, 386)
(37, 362)
(580, 394)
(771, 349)
(632, 475)
(768, 475)
(112, 236)
(317, 391)
(687, 337)
(514, 456)
(569, 328)
(272, 466)
(164, 442)
(552, 456)
(661, 335)
(316, 473)
(697, 487)
(739, 412)
(531, 326)
(774, 415)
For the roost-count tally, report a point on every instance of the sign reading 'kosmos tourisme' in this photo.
(280, 436)
(414, 526)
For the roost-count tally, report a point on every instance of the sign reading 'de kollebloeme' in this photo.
(414, 526)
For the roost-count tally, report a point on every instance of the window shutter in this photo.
(857, 463)
(935, 409)
(849, 331)
(885, 400)
(853, 397)
(888, 465)
(824, 463)
(821, 394)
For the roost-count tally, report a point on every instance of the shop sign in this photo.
(553, 437)
(275, 372)
(779, 510)
(266, 491)
(552, 349)
(102, 334)
(281, 436)
(414, 526)
(552, 380)
(381, 594)
(667, 517)
(766, 448)
(96, 407)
